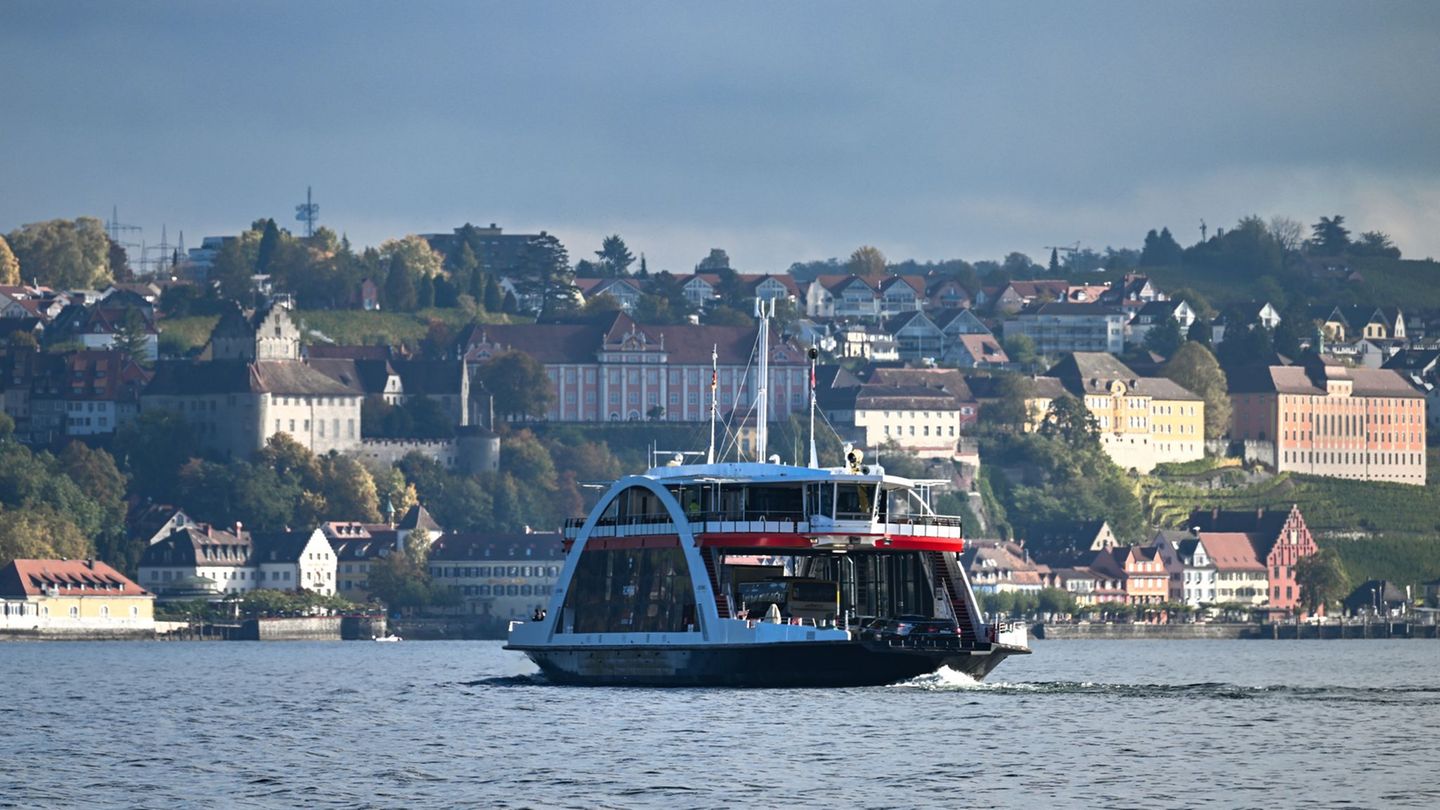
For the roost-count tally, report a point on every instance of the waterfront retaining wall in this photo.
(1233, 631)
(307, 628)
(1146, 631)
(88, 634)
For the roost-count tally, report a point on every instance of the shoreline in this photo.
(1216, 631)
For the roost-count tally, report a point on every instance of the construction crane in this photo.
(1075, 248)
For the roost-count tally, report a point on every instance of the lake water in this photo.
(447, 724)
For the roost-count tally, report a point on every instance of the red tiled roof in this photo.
(461, 546)
(23, 578)
(579, 343)
(1231, 551)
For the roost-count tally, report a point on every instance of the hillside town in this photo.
(529, 367)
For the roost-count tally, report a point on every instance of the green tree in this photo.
(1009, 412)
(1165, 337)
(494, 300)
(1322, 579)
(269, 242)
(1054, 267)
(1195, 369)
(9, 265)
(867, 260)
(151, 449)
(526, 458)
(1021, 351)
(132, 337)
(348, 489)
(545, 278)
(1375, 243)
(1018, 265)
(1200, 332)
(231, 271)
(1329, 236)
(1245, 345)
(615, 258)
(401, 581)
(1160, 249)
(64, 254)
(1294, 328)
(1070, 421)
(517, 383)
(415, 253)
(400, 293)
(40, 533)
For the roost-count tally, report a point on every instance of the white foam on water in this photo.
(943, 678)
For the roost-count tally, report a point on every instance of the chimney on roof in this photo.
(1260, 513)
(90, 563)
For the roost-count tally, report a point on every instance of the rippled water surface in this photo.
(446, 724)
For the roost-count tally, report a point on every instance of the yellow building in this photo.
(80, 598)
(1143, 421)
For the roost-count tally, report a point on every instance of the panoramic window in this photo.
(631, 591)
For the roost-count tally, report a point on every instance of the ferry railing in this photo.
(731, 521)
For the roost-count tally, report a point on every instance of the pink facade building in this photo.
(1324, 418)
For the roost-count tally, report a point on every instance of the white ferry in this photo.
(762, 574)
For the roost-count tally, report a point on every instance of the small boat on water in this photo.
(758, 573)
(388, 639)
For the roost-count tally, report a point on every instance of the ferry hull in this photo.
(796, 664)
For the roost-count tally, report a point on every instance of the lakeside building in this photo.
(72, 597)
(616, 370)
(498, 576)
(997, 566)
(1320, 417)
(1278, 541)
(199, 561)
(1239, 574)
(1192, 575)
(1140, 571)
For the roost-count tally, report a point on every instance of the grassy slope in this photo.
(357, 327)
(346, 327)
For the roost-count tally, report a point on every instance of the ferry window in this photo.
(852, 502)
(512, 590)
(631, 591)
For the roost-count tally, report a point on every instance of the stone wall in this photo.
(306, 628)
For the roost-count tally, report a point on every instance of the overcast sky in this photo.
(780, 132)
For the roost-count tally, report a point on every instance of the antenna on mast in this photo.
(714, 384)
(307, 213)
(814, 457)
